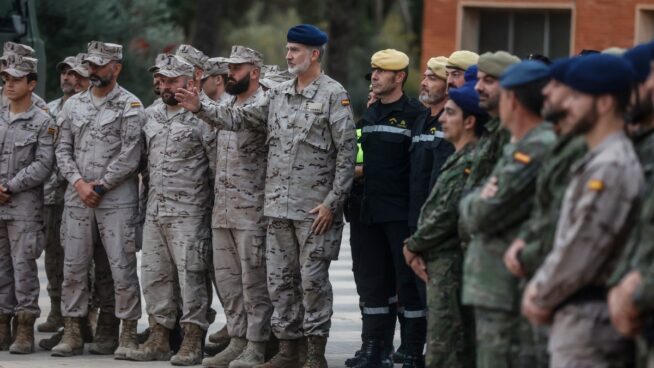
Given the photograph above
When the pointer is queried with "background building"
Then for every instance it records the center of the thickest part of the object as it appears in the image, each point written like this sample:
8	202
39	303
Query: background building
550	27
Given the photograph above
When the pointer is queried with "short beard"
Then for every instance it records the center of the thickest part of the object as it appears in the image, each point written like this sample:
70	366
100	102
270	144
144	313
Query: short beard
67	88
168	97
554	115
299	69
490	103
587	122
98	82
235	88
431	99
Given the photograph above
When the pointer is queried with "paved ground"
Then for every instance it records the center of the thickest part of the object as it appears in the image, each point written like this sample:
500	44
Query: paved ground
344	340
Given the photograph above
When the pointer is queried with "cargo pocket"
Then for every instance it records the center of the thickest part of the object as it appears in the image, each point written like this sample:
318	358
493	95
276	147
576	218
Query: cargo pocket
332	241
129	235
196	255
33	241
258	250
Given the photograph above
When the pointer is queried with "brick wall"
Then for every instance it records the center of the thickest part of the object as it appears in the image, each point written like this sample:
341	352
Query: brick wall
597	24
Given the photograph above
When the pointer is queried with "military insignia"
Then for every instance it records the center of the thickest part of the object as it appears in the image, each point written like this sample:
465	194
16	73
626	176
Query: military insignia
392	121
595	185
432	130
467	171
135	104
522	157
52	131
345	102
314	107
402	124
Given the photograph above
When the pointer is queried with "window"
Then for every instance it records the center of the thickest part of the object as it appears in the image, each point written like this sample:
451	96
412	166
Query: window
519	31
645	24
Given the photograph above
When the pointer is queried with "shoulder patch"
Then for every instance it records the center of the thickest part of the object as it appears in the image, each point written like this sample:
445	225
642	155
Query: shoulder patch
467	171
522	157
52	131
135	104
345	102
595	185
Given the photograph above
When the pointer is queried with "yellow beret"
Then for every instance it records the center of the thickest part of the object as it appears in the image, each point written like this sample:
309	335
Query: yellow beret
437	66
462	59
389	59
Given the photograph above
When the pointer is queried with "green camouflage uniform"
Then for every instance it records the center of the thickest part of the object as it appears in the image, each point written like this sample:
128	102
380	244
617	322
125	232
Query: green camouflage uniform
450	326
495	223
639	253
488	152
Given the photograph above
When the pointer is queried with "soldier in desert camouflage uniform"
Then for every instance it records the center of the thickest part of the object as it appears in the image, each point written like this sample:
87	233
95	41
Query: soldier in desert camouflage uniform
25	163
12	48
98	153
238	225
214	80
312	149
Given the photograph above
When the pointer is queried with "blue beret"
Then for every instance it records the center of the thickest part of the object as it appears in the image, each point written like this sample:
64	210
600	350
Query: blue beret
640	58
560	67
523	72
599	74
467	98
307	34
471	73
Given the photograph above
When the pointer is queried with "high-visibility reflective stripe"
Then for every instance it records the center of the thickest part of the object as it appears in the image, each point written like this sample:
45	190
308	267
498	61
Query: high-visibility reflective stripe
378	310
427	137
386	129
415	314
392	300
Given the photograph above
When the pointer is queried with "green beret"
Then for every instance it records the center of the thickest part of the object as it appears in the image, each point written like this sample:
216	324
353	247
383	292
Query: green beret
494	63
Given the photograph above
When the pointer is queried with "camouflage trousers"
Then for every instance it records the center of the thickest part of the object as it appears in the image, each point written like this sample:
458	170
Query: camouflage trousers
54	252
21	243
450	325
240	265
83	229
582	336
173	269
298	277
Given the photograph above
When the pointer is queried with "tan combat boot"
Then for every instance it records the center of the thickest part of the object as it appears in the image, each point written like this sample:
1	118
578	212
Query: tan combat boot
128	339
50	342
24	339
156	347
222	359
5	331
190	353
105	340
54	321
287	357
218	341
71	343
254	354
316	352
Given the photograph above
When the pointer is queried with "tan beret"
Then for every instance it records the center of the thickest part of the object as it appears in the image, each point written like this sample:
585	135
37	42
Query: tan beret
389	59
437	66
494	63
462	59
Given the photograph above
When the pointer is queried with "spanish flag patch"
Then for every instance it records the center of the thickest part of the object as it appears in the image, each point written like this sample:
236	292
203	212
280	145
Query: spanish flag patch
345	102
595	185
522	157
135	104
467	171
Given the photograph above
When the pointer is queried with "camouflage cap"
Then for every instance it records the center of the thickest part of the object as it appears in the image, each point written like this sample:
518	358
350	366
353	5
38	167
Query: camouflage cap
101	53
80	68
161	58
20	66
175	66
192	55
13	48
69	61
273	76
242	55
215	66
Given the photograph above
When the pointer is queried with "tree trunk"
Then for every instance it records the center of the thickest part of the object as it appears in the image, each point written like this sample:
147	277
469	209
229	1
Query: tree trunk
341	28
207	34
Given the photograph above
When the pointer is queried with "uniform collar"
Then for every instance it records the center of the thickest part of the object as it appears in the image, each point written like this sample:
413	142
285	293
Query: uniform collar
27	115
603	146
309	91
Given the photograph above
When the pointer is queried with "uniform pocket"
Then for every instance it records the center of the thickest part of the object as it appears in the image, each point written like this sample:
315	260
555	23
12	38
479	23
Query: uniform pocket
332	241
318	135
258	250
197	254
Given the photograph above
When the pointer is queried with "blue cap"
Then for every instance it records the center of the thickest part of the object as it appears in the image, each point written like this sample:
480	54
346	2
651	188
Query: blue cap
640	58
599	74
307	34
471	73
523	72
467	98
560	67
